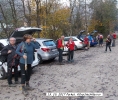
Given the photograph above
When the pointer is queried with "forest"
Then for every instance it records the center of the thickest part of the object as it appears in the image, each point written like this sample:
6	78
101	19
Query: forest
57	18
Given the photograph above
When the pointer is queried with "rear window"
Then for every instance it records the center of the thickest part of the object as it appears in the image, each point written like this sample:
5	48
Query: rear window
74	39
49	43
67	39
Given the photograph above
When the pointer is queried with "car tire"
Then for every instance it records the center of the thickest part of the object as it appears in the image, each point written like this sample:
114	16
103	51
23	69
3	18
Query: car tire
53	59
3	74
75	48
40	59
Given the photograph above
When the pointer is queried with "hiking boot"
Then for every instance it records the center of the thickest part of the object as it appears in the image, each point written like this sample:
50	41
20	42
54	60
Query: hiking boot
12	85
28	87
61	63
24	91
68	61
17	82
72	60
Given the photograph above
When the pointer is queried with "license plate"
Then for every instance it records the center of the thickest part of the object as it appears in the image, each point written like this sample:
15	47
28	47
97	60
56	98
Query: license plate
54	50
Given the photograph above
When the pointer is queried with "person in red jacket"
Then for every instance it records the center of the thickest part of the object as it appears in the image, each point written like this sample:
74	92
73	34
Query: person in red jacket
114	39
71	46
60	46
86	42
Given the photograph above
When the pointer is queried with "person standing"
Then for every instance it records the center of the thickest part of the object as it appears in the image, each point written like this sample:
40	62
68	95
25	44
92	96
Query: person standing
12	61
90	40
86	42
101	40
71	46
60	46
111	37
114	39
98	38
26	52
108	43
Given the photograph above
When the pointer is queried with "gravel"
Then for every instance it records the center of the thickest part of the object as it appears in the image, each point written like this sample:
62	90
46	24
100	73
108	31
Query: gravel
92	71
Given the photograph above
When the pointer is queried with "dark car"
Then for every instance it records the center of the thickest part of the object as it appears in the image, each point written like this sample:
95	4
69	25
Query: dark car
94	41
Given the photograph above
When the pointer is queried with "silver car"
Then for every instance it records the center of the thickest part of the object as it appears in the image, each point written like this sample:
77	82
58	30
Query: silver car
47	50
78	43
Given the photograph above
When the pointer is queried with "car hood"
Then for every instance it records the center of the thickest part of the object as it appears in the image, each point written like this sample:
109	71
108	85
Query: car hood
20	32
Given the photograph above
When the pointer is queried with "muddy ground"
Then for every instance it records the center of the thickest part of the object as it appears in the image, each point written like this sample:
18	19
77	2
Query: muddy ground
92	71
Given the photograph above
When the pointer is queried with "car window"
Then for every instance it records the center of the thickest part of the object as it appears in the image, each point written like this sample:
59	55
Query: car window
66	39
49	43
38	43
74	39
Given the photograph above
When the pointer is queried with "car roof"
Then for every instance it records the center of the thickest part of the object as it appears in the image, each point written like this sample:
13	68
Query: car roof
27	28
71	36
42	39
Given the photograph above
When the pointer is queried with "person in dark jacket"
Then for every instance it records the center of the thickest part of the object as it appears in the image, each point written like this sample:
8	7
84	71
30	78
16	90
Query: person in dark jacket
108	43
60	46
12	62
26	52
71	46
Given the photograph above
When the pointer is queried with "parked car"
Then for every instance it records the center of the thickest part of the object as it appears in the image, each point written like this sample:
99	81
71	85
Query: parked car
47	50
81	36
78	43
18	34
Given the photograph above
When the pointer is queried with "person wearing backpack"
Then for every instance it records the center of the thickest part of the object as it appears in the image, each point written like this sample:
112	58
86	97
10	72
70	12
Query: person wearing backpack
11	56
60	46
26	52
71	46
108	43
101	40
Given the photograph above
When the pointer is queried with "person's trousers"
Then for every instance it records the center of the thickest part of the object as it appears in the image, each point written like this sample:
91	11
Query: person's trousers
113	43
10	74
60	55
107	47
25	74
70	55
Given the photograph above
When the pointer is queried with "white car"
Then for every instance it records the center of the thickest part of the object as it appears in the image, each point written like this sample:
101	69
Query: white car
78	43
18	34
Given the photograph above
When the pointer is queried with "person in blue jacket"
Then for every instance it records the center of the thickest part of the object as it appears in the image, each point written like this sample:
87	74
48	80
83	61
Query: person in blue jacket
90	40
26	52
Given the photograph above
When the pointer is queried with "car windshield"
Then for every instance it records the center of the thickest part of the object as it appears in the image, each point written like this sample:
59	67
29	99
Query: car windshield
49	43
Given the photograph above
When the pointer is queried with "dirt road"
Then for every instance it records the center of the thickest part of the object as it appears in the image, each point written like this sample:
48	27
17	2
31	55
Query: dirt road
93	71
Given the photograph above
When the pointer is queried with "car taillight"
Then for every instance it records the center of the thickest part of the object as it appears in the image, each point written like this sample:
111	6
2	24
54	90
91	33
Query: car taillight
45	49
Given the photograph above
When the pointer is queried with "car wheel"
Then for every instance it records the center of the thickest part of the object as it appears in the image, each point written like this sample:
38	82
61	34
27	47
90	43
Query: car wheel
53	59
2	73
40	59
75	48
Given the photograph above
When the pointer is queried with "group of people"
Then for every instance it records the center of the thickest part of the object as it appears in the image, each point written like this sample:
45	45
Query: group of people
110	40
22	55
70	45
